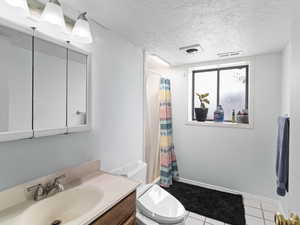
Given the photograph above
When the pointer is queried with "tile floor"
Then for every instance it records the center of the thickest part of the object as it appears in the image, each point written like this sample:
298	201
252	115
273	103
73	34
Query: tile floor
257	212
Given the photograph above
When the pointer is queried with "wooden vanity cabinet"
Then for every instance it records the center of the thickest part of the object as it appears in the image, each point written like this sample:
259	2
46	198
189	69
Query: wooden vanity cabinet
130	221
121	214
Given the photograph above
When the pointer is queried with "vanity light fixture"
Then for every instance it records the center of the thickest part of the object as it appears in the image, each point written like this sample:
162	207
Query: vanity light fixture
22	4
82	30
53	14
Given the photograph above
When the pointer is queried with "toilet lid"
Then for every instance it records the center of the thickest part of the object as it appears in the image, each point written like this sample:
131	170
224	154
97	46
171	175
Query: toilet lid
159	205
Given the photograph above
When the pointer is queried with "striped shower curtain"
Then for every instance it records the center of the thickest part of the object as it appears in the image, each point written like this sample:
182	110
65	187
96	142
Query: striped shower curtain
168	163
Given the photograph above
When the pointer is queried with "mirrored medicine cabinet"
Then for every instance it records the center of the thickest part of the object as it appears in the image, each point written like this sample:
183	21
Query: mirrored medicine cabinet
44	87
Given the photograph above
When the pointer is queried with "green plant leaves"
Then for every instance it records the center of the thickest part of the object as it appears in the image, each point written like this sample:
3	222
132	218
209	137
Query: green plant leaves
204	95
203	99
206	100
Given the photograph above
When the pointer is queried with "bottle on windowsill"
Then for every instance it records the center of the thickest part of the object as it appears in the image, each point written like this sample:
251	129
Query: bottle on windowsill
219	114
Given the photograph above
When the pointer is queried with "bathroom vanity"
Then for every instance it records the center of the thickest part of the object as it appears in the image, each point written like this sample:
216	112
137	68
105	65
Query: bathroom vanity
122	213
91	197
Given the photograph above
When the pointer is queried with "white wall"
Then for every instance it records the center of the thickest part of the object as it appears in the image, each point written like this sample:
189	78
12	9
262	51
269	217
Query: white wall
117	132
285	79
240	159
286	101
291	105
118	101
294	195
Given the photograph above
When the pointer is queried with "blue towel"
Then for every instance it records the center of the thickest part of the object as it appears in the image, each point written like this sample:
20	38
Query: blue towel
282	162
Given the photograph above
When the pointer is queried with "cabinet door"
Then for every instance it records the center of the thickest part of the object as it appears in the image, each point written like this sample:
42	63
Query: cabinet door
77	89
120	213
50	75
15	84
130	221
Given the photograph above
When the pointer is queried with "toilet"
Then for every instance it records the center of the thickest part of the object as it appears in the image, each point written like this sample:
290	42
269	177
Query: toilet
155	206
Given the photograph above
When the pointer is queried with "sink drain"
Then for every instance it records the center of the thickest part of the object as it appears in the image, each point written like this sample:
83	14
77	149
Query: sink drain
56	222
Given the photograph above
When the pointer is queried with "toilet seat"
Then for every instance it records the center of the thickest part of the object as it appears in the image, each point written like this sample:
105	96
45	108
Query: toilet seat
160	206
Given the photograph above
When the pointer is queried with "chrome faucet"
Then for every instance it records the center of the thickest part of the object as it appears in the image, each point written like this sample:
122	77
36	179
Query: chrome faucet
55	187
38	192
41	192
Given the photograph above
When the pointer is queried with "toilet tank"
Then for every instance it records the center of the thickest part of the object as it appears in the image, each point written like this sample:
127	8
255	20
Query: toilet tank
135	171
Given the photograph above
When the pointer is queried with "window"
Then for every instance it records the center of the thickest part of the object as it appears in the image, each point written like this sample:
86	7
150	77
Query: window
226	86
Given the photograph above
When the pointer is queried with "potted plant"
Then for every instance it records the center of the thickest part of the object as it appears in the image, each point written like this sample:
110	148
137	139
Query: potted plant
201	113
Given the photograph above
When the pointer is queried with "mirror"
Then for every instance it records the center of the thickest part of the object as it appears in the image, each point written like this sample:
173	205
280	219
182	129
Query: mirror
43	87
77	89
50	75
15	81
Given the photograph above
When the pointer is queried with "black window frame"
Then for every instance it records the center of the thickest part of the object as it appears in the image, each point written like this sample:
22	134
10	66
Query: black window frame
218	70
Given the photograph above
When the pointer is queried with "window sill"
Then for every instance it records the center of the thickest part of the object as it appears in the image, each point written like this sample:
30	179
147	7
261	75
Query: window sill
219	124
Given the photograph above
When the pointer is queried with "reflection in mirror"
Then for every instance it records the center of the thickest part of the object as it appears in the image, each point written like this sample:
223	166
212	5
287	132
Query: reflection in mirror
50	86
15	80
77	86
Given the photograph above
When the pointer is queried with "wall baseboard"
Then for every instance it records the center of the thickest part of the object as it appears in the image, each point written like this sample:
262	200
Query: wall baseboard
224	189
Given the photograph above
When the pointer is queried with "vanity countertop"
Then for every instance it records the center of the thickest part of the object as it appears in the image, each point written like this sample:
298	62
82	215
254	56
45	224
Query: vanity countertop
114	189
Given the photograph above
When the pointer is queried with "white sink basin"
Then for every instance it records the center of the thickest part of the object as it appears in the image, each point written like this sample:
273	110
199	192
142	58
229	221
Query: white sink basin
65	207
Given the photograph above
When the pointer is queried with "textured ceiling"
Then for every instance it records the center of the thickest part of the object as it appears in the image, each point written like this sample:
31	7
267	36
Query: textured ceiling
162	26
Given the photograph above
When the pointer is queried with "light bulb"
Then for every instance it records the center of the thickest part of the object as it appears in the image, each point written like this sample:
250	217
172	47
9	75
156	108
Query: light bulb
53	14
82	30
21	4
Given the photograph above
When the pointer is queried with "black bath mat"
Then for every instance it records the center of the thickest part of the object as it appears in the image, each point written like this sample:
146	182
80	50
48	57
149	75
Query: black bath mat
222	206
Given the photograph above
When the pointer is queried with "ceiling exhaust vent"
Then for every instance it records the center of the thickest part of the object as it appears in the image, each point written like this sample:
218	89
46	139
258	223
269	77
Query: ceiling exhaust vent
229	54
191	49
